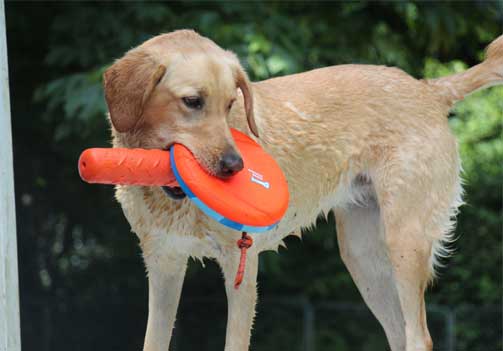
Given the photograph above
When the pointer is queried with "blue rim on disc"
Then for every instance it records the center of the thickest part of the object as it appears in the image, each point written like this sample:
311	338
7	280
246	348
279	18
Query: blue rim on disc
209	211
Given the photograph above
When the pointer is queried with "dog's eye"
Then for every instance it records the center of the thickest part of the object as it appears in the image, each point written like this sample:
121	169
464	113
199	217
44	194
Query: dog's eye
194	102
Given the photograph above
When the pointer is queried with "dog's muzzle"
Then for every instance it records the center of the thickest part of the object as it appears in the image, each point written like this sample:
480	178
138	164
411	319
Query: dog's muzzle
174	192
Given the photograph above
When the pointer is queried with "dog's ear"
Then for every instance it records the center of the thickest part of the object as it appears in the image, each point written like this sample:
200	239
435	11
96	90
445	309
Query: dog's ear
128	84
243	83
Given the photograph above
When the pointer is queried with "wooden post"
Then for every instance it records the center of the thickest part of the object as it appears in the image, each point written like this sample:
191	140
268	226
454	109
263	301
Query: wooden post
10	339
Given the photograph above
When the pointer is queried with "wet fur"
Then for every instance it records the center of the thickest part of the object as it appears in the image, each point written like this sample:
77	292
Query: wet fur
368	142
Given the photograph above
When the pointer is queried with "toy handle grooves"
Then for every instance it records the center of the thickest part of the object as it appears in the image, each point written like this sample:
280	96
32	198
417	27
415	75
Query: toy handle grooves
126	167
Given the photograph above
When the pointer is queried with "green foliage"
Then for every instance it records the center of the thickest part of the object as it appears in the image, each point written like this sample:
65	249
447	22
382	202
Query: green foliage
75	249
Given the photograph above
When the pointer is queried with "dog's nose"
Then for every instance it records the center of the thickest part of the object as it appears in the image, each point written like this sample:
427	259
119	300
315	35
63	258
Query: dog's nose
230	164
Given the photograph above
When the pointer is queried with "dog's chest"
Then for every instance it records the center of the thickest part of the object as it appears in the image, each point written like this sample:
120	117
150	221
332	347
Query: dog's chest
165	226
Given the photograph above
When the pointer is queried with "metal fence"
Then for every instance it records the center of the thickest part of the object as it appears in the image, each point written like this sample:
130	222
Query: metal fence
300	324
282	323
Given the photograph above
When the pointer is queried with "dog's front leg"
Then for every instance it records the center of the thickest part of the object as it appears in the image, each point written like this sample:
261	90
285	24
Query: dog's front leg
241	302
165	280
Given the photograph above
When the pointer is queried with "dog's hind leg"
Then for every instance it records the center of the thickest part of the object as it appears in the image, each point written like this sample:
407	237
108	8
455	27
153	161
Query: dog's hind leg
241	302
389	262
389	240
165	280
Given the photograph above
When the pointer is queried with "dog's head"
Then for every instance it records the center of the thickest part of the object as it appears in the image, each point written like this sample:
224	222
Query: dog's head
179	88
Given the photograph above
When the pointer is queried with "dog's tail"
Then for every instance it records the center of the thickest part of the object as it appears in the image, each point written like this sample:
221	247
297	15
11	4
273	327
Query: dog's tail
483	75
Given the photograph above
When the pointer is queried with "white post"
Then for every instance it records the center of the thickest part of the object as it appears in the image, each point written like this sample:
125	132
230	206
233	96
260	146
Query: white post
10	339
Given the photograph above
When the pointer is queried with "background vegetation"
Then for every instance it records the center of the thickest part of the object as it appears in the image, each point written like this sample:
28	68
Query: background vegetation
82	281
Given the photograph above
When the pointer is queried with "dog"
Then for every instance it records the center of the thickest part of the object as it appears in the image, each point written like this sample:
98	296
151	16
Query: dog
370	143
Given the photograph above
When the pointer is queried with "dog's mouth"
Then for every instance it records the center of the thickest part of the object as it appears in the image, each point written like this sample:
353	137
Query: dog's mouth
174	192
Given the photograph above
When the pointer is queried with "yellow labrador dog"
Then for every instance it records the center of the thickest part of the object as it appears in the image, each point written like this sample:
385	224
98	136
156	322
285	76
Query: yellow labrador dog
370	143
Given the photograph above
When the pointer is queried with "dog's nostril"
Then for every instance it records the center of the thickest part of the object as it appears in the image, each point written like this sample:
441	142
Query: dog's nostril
230	164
